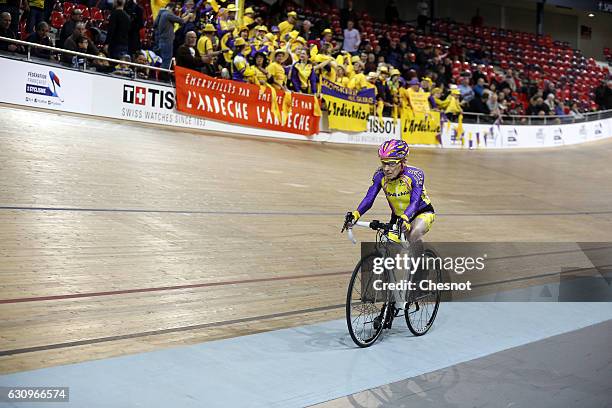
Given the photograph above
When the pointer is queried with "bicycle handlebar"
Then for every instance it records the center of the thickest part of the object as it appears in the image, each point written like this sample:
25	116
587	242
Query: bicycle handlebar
374	224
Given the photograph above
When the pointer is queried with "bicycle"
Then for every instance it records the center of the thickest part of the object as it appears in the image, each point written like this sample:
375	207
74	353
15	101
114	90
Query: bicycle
370	310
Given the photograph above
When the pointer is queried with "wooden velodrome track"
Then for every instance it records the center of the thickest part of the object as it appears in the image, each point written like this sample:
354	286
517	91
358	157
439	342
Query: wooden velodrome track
118	238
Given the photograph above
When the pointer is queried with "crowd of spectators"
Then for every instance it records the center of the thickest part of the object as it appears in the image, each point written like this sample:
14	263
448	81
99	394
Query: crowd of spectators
292	53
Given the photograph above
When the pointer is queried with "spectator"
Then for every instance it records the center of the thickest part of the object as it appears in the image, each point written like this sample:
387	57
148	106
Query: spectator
136	13
208	42
391	13
117	36
209	66
40	36
164	32
465	90
303	76
371	65
71	44
575	112
100	64
78	61
550	102
326	38
493	104
5	31
479	88
124	69
351	38
559	109
142	73
276	70
536	106
239	63
359	79
76	15
478	104
603	95
36	14
347	14
305	31
11	7
287	26
187	55
422	14
261	74
190	24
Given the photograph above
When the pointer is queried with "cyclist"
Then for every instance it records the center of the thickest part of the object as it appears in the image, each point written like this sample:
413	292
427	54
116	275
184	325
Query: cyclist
404	187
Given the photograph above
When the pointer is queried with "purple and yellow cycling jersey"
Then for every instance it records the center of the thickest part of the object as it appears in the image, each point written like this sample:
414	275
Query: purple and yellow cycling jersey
406	194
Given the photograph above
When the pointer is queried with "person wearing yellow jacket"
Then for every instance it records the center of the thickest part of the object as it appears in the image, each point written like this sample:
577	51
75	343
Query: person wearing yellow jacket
359	80
208	42
303	78
287	26
277	71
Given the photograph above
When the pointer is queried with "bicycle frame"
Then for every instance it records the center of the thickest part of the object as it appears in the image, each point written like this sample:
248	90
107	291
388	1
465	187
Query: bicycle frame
387	233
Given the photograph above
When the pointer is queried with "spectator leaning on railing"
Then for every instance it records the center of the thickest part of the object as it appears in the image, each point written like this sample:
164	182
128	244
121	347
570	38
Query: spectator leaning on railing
71	44
40	36
6	31
187	55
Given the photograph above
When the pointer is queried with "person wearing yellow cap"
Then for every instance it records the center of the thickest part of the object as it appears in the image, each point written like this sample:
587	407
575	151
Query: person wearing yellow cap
341	78
208	42
436	93
261	74
372	77
287	26
326	67
239	63
359	80
259	36
243	32
277	71
226	19
326	37
248	19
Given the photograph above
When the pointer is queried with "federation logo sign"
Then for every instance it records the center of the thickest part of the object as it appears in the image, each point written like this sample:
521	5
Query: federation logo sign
43	85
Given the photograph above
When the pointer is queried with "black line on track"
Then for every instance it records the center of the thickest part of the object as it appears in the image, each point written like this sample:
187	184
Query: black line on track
165	331
281	213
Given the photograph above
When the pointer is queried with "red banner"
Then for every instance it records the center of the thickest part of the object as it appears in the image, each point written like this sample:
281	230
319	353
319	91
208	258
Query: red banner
241	103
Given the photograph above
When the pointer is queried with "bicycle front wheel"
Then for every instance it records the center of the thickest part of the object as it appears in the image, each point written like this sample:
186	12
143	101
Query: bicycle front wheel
422	304
365	306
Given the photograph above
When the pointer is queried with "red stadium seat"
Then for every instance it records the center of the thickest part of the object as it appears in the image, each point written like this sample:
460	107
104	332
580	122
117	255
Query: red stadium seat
68	6
57	20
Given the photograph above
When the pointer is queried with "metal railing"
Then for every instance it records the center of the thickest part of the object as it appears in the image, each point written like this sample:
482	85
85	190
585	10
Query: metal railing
469	117
55	50
483	118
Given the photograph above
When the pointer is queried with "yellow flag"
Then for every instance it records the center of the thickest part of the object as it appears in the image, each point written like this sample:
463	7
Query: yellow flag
286	109
380	105
314	51
317	107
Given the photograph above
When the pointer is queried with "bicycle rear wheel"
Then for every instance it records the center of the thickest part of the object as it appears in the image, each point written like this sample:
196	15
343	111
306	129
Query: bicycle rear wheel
422	305
365	307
